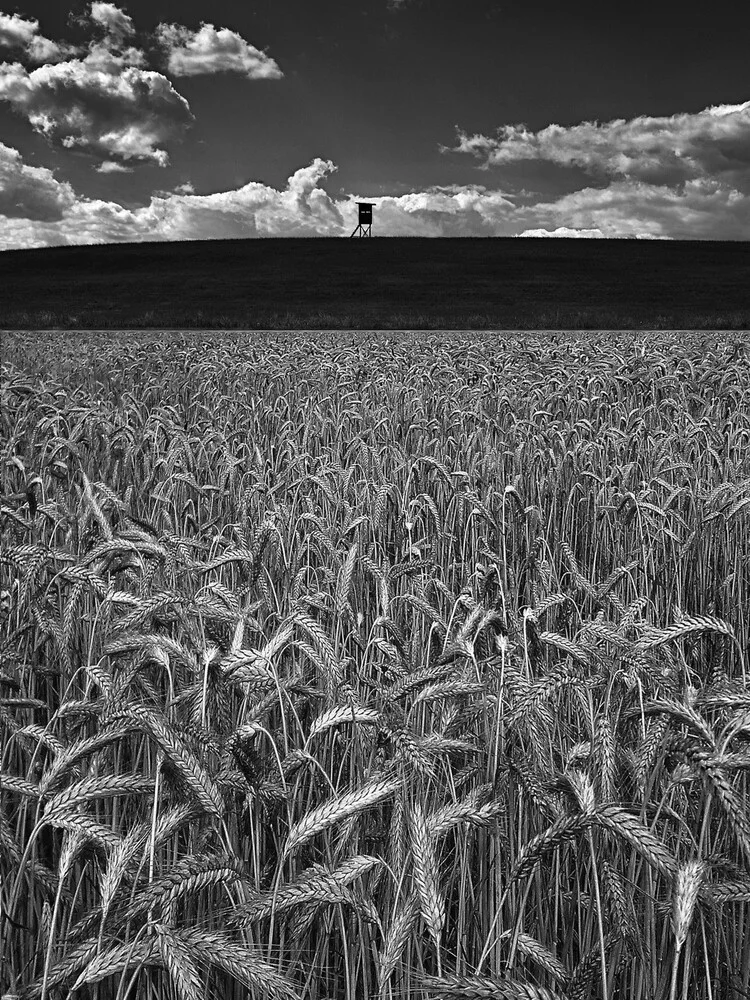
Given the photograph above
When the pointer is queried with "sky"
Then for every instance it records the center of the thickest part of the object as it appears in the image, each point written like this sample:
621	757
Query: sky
166	120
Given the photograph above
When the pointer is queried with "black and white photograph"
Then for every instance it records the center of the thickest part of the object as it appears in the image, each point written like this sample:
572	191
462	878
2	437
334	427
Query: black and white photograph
374	500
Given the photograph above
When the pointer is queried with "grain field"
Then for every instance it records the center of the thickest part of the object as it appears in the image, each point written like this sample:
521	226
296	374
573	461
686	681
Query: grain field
352	666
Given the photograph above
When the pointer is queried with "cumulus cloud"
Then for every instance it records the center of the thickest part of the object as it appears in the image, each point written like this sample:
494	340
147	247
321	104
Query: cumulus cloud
106	102
669	150
17	32
301	208
683	176
623	211
565	232
31	193
103	103
123	113
457	210
116	24
703	208
213	50
112	167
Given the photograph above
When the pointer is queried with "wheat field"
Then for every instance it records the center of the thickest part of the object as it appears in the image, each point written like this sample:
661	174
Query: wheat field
360	666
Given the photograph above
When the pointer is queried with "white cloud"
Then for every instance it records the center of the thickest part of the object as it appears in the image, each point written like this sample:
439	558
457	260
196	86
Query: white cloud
112	167
565	232
111	50
683	176
301	208
671	149
17	32
106	102
115	22
213	50
44	50
699	209
445	211
115	112
31	193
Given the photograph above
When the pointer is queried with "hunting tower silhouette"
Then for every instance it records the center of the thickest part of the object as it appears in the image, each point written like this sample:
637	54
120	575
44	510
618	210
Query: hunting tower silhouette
365	219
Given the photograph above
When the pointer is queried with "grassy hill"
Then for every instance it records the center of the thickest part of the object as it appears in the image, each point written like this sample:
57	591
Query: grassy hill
380	283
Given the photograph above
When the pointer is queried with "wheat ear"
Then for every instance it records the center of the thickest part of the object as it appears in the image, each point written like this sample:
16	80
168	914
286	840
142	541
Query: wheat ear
337	809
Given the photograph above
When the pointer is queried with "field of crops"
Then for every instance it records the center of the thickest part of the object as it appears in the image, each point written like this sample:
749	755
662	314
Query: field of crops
347	665
414	283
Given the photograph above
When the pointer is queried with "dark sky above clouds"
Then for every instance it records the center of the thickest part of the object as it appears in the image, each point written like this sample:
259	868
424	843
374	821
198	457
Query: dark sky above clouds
161	119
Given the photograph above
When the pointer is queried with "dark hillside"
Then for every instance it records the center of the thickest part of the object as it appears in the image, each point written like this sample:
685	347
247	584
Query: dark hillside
380	283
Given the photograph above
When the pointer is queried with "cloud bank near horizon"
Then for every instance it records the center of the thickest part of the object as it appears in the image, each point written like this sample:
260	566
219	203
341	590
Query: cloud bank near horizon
40	211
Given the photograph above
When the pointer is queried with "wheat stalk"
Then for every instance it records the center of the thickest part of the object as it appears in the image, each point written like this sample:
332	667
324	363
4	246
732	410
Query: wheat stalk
426	874
116	959
639	836
473	987
399	932
337	809
99	788
178	961
340	714
688	881
239	961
